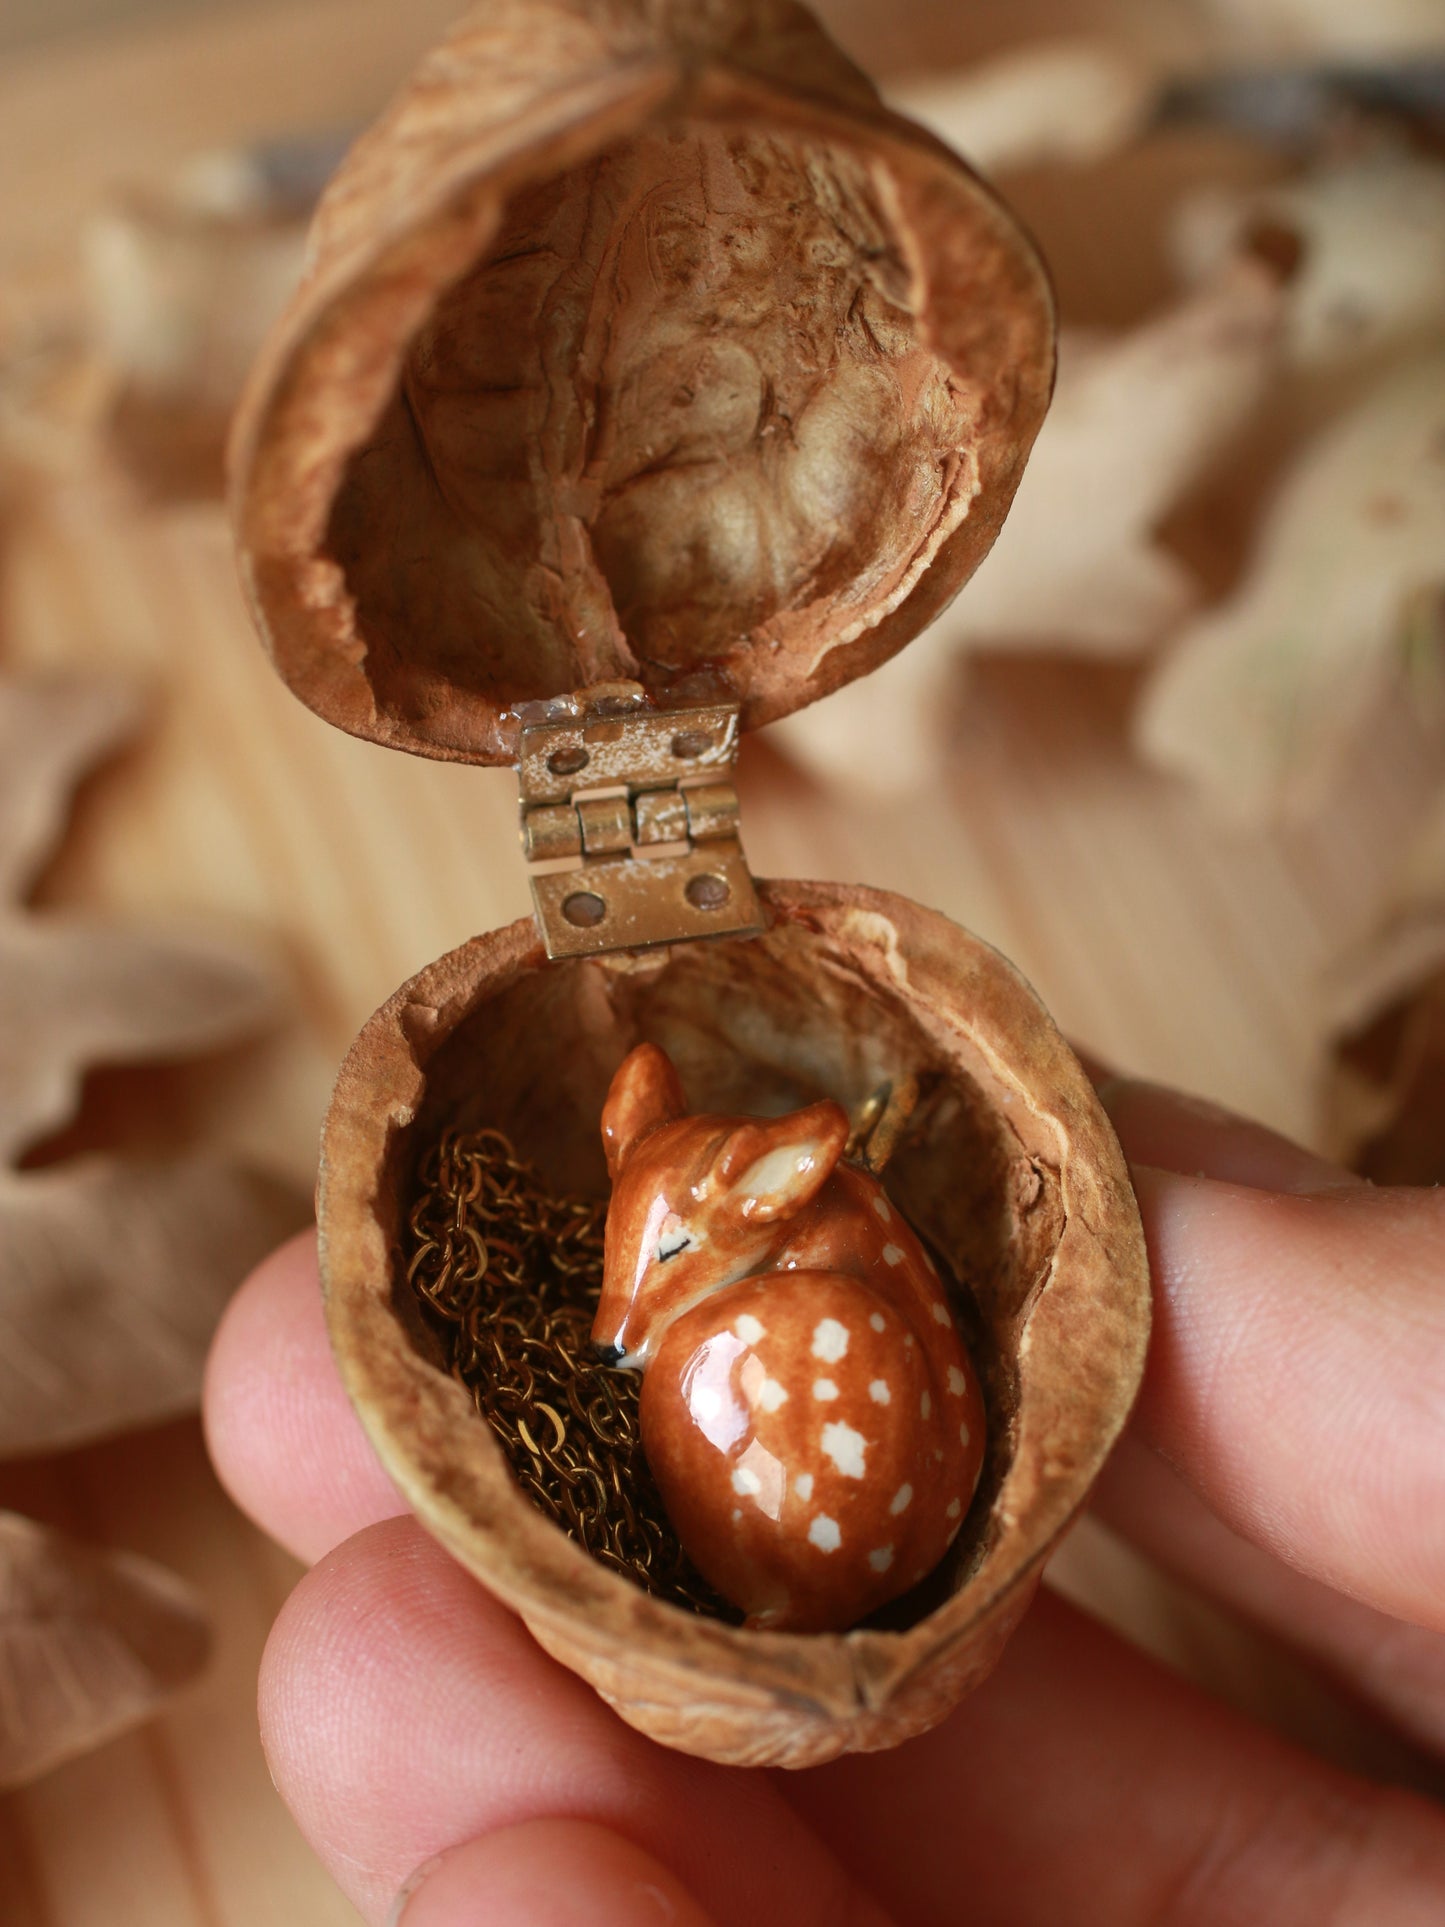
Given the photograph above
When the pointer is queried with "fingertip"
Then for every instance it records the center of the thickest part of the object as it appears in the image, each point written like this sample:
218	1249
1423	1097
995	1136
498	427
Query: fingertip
404	1710
282	1436
364	1609
1194	1137
547	1873
398	1704
1292	1378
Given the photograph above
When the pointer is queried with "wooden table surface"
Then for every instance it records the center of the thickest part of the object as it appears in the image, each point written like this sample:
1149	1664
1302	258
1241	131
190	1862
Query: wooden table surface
1166	942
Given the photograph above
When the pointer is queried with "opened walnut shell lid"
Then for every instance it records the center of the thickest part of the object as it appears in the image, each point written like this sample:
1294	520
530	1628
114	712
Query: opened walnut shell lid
639	341
1009	1167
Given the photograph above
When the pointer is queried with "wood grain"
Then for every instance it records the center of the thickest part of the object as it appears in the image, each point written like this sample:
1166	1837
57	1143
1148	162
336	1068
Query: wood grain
1160	939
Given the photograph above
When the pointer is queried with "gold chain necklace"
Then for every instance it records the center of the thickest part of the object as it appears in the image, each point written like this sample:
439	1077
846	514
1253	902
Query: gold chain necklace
509	1278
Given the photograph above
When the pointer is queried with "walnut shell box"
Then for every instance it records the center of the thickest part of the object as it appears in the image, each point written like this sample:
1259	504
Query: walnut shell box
642	347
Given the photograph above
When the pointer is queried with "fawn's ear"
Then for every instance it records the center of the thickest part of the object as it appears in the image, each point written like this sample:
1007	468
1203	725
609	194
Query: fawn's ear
773	1170
644	1093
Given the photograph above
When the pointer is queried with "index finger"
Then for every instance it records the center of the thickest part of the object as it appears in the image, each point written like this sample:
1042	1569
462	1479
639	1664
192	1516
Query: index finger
1296	1378
281	1432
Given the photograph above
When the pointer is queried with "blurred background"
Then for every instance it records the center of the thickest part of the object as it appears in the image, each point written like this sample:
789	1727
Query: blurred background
1179	751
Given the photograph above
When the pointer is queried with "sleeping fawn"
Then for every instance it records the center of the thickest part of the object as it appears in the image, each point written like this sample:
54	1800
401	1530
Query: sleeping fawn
808	1409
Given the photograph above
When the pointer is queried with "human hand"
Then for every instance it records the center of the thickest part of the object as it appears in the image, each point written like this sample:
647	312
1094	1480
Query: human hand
1287	1456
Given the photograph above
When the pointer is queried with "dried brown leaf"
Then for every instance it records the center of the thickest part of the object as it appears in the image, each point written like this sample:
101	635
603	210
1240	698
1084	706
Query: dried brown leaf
1370	234
1052	100
1387	1098
182	285
91	1643
1386	1093
113	1274
1135	420
75	992
1259	697
52	731
1296	28
53	396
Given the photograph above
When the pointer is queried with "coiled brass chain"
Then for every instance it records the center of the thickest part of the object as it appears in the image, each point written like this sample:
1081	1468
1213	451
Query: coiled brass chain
509	1278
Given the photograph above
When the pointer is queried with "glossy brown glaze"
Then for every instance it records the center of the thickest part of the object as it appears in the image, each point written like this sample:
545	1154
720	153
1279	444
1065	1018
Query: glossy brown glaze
809	1411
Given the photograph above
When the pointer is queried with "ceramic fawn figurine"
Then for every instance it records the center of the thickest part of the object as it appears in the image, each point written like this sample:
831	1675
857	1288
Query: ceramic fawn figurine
808	1409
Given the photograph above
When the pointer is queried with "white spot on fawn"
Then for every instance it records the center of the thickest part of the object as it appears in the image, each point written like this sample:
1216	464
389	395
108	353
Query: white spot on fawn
880	1205
737	1514
771	1395
761	1477
925	1406
803	1486
957	1383
882	1559
941	1312
845	1448
901	1500
964	1435
824	1388
954	1509
908	1341
830	1340
747	1328
824	1534
877	1320
892	1254
878	1391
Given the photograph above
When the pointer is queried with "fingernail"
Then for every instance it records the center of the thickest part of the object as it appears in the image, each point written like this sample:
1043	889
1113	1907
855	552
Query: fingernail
408	1893
546	1870
1195	1137
1119	1090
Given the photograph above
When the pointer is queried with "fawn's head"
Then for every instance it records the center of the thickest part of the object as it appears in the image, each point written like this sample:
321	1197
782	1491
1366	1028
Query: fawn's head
697	1202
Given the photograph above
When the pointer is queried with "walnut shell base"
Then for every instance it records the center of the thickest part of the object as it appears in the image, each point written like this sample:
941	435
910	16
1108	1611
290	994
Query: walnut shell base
1011	1169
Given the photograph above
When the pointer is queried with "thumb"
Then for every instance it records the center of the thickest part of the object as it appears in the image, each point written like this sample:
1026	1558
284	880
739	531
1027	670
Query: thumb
1197	1139
547	1873
1297	1366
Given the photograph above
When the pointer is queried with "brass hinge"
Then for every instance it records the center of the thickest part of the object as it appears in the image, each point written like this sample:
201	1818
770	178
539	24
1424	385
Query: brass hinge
630	824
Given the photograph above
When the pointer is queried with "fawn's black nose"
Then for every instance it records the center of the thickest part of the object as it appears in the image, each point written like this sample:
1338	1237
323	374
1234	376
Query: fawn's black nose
610	1354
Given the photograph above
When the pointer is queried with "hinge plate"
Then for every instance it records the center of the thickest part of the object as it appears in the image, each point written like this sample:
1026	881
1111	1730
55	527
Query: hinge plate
629	821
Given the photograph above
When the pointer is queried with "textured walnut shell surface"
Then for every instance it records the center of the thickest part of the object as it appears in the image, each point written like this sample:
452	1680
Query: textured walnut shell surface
1012	1170
639	340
